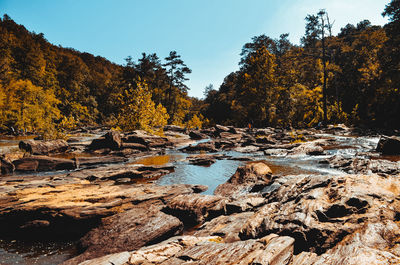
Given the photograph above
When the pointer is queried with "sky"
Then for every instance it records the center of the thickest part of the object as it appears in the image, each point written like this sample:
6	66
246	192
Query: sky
208	34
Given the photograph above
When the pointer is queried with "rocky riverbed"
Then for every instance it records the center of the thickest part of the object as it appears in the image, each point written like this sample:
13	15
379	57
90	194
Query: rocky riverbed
221	195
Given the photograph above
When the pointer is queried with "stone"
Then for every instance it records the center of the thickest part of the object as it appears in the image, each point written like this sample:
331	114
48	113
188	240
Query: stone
43	163
150	141
71	204
272	250
174	128
245	179
113	139
196	135
220	128
128	231
43	147
6	167
101	160
121	258
308	148
319	211
202	160
201	147
196	208
247	149
224	226
389	145
374	243
134	146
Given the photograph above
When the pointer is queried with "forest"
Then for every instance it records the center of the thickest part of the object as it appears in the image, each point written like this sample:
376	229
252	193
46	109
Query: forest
352	78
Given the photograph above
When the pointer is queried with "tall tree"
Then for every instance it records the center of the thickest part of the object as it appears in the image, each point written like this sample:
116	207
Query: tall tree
177	71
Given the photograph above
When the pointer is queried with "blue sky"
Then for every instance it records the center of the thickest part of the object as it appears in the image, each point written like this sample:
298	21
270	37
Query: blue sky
208	34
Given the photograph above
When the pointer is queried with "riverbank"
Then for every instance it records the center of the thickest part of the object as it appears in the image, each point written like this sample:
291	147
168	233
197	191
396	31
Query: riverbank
127	193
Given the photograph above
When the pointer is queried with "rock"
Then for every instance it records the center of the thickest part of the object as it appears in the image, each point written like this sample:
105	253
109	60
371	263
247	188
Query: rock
224	226
43	163
265	140
245	179
201	147
113	139
6	167
44	147
128	231
101	160
202	160
220	128
247	149
272	250
372	244
71	204
98	144
141	172
196	135
389	145
319	211
308	148
196	208
275	152
174	128
230	136
225	144
150	141
361	165
114	259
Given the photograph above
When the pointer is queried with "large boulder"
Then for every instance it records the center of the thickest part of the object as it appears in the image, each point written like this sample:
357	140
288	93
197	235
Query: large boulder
389	145
114	139
111	140
43	147
196	208
246	178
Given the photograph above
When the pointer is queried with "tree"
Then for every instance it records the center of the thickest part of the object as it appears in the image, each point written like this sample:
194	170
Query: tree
138	111
28	107
176	70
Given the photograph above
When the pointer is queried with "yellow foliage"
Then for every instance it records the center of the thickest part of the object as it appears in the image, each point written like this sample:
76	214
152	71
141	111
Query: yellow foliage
27	107
138	111
195	122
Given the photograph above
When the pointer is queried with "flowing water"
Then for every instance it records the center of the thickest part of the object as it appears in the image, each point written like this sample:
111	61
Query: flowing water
14	252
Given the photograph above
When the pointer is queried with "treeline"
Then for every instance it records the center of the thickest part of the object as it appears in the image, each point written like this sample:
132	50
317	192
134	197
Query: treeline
281	84
47	88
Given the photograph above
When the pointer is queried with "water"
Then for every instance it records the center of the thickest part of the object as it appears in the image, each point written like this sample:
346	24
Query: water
13	252
30	253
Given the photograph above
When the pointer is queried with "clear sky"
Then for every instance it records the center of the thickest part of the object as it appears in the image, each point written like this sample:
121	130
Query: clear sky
208	34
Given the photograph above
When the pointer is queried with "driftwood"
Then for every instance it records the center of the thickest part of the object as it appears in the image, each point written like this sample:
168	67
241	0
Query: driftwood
44	147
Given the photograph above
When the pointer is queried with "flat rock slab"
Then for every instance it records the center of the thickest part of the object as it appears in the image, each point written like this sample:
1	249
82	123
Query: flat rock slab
319	211
43	163
142	225
374	244
56	201
44	147
273	250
